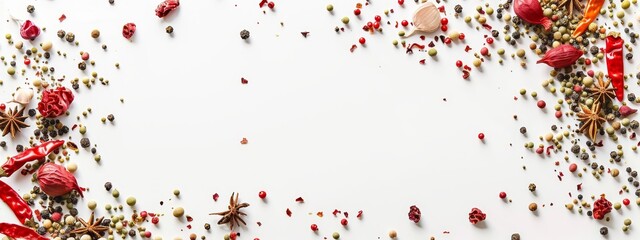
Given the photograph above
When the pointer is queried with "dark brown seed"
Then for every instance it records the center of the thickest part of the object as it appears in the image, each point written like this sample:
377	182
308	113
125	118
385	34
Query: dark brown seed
85	143
169	29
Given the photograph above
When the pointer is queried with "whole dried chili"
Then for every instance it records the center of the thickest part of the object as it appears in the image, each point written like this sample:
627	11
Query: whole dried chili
19	232
615	65
38	152
17	204
562	56
590	13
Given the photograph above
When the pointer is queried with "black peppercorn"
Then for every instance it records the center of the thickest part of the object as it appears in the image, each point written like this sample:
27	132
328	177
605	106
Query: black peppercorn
108	186
634	174
19	148
70	37
515	236
111	2
244	34
132	233
575	149
628	169
169	29
94	150
523	130
85	143
31	9
110	117
604	231
532	187
3	144
458	8
207	226
61	33
82	65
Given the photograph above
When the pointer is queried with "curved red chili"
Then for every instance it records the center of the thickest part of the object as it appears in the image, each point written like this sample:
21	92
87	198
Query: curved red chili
19	232
615	64
19	207
38	152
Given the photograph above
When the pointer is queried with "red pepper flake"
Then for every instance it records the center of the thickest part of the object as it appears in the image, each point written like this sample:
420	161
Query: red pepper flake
300	200
579	186
549	148
74	127
441	9
467	48
423	61
259	224
601	207
446	232
431	44
353	48
633	136
465	74
304	34
215	197
487	26
335	212
288	212
320	214
244	141
359	214
476	215
244	81
262	3
128	30
599	144
189	226
346	214
396	24
189	219
62	18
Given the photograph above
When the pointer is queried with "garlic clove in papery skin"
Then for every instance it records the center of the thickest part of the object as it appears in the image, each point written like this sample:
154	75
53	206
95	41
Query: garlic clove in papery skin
23	96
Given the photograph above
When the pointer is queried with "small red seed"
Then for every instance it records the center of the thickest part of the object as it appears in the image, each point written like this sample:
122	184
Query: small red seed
404	23
377	18
490	40
271	5
362	40
458	63
626	201
558	114
541	104
356	12
400	2
376	25
461	37
484	51
3	106
262	194
155	220
444	28
27	61
344	222
444	21
481	136
447	40
503	195
314	227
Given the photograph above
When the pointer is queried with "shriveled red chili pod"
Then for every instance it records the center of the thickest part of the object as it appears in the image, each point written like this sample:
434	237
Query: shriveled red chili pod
15	231
17	204
37	152
531	12
562	56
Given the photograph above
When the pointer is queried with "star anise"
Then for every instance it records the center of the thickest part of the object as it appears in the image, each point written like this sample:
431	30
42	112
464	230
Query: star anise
92	227
12	121
571	4
601	91
233	216
591	120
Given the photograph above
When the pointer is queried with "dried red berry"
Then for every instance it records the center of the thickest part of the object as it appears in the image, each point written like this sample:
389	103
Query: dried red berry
29	31
414	214
128	30
357	11
481	136
314	227
271	5
601	207
362	40
626	201
404	23
166	7
344	222
476	215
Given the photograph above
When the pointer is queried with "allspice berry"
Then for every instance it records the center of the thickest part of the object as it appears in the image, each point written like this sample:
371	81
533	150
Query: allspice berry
169	29
178	212
533	207
95	33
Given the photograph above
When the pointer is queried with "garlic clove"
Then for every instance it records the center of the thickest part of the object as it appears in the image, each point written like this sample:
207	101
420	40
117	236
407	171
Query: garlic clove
23	96
426	19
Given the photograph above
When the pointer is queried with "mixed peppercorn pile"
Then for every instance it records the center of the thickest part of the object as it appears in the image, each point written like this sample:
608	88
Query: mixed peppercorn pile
570	36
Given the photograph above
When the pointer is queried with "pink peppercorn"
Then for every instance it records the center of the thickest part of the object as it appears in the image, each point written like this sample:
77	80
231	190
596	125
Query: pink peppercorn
481	136
271	5
362	40
484	51
573	167
357	11
344	222
626	201
56	216
558	114
587	62
447	40
444	28
458	63
314	227
541	104
489	40
27	61
233	235
147	234
461	36
400	2
155	220
262	194
85	56
144	214
404	23
377	18
503	195
540	150
590	73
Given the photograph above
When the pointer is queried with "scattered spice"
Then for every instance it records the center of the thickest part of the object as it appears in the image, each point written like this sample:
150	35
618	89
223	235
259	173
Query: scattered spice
29	31
12	121
591	12
476	215
163	9
233	216
128	30
615	64
244	34
426	19
55	180
531	11
414	214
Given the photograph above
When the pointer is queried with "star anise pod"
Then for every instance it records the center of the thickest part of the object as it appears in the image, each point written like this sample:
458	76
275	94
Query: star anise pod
591	120
572	4
601	91
12	121
233	216
92	227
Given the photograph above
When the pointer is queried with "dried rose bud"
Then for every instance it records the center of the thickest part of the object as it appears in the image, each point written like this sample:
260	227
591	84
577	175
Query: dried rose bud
55	180
29	31
626	111
414	214
562	56
166	7
476	215
128	30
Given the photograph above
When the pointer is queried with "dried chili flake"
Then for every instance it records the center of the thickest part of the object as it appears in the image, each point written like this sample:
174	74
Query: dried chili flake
487	26
414	214
549	148
467	48
359	214
441	9
244	141
431	44
353	48
262	3
346	214
189	218
465	74
423	61
320	214
288	212
633	136
601	207
304	34
300	200
476	215
244	81
579	186
62	18
164	8
259	224
336	211
215	197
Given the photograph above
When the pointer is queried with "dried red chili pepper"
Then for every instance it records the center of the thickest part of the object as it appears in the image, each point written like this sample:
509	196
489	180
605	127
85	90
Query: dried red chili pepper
38	152
17	204
591	12
166	7
615	65
531	12
29	31
55	180
19	232
562	56
128	30
601	207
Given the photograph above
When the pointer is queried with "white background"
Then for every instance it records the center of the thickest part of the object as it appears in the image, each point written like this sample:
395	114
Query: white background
367	130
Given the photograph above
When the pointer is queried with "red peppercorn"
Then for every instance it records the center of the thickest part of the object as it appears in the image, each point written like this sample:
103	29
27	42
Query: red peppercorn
458	63
85	56
377	18
144	214
233	235
461	37
444	21
155	220
484	51
590	73
271	5
3	106
444	28
357	11
56	216
503	195
314	227
481	136
400	2
558	114
404	23
262	194
540	150
541	104
27	61
344	222
376	25
447	40
587	62
573	167
490	40
626	201
362	40
147	234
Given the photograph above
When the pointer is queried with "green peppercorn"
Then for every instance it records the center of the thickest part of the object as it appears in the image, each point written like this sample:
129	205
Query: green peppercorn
178	212
92	205
176	192
627	222
501	51
401	33
432	52
620	14
625	4
336	235
115	193
11	71
520	53
329	7
131	201
345	20
395	42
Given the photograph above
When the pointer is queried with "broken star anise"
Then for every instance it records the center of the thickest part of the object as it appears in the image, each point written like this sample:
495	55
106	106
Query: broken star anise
93	227
591	120
601	92
12	121
570	5
233	216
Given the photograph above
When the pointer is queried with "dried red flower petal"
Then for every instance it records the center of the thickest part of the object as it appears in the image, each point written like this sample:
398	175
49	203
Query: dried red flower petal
476	215
29	31
128	30
414	214
166	7
55	102
55	180
562	56
601	207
